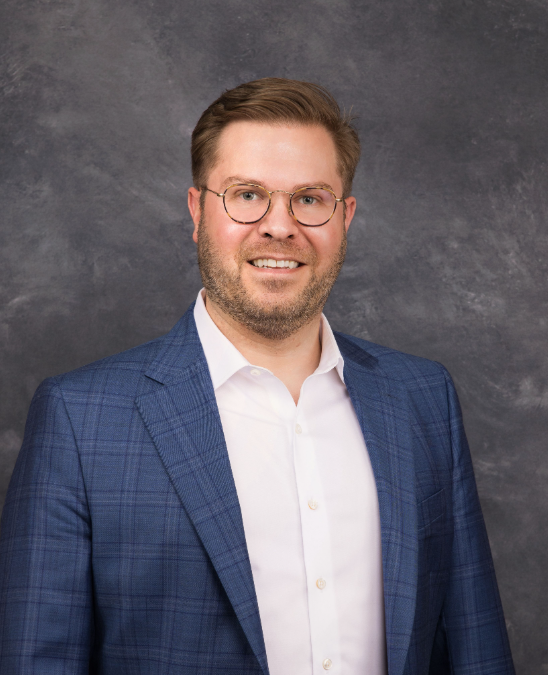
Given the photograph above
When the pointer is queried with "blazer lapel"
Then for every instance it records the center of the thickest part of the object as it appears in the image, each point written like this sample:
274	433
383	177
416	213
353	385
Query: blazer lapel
384	419
183	420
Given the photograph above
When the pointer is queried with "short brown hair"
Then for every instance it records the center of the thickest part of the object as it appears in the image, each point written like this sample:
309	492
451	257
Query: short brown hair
275	100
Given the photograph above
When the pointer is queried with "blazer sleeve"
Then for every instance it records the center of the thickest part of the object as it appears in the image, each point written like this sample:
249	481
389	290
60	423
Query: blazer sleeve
471	636
46	621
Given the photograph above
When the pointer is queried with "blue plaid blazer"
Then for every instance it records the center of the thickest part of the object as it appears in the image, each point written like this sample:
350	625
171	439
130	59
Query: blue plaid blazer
123	552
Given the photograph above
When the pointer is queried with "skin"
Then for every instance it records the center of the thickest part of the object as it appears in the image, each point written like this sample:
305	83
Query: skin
279	157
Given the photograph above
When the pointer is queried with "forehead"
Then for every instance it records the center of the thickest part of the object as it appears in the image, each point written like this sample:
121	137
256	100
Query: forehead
279	156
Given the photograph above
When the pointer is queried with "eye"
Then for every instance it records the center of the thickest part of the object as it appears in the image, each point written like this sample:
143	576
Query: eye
247	195
309	199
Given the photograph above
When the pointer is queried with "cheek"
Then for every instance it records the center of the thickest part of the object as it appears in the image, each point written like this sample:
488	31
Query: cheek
228	239
326	243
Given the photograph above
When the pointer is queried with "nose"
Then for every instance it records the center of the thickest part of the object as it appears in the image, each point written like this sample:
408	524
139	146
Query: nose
278	222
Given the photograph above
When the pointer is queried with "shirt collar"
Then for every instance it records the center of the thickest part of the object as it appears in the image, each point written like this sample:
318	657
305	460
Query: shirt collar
331	355
224	360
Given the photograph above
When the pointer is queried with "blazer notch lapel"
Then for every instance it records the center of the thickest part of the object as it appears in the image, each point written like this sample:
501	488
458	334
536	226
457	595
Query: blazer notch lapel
183	420
383	415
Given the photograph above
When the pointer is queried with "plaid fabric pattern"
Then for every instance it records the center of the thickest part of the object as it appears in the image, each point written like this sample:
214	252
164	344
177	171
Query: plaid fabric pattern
122	548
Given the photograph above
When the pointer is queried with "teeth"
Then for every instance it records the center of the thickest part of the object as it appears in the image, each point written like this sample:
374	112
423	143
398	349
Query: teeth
269	262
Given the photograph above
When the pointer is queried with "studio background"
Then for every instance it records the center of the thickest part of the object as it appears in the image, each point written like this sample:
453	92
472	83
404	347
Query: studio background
447	254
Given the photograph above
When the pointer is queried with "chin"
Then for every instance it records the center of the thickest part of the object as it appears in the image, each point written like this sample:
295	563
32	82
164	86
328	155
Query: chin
273	297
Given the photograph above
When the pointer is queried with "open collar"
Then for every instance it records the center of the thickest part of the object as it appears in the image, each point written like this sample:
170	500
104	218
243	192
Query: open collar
224	359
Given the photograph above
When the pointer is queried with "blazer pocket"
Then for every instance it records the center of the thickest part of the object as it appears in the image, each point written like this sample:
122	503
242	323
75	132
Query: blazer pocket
431	512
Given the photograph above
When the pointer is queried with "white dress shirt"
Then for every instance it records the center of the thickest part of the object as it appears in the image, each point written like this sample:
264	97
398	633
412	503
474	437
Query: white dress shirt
309	507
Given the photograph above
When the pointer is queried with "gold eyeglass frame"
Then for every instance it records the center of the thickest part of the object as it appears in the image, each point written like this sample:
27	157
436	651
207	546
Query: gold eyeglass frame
270	193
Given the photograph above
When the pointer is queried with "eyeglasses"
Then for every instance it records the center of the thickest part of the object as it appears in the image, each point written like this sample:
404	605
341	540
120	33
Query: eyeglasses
247	204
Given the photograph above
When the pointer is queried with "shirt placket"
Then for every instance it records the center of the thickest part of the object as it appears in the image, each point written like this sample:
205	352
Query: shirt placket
324	628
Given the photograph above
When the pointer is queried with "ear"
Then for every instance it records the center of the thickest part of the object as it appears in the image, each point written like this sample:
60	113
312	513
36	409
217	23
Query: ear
195	210
350	211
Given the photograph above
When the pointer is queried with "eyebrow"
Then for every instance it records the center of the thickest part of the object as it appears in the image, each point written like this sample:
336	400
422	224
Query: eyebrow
231	180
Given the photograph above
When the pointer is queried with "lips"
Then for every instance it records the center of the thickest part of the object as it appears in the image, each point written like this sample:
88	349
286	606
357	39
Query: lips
271	263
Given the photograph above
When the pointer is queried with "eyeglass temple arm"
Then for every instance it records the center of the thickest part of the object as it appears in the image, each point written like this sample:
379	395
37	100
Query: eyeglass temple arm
219	194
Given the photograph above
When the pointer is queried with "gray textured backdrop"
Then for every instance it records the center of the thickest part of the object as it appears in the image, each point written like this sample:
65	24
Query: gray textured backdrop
447	256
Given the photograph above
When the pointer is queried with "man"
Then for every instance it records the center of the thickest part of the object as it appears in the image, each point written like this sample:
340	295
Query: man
252	493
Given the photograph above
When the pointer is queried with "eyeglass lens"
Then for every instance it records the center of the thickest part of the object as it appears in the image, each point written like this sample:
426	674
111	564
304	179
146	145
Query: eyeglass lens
248	204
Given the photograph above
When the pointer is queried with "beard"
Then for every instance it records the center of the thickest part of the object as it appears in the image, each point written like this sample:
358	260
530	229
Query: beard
275	320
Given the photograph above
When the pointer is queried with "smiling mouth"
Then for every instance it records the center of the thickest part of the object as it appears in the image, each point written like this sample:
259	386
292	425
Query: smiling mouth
271	263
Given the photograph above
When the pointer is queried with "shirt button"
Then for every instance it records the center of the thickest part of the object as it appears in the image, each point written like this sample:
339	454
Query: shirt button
298	429
255	372
327	663
321	584
312	504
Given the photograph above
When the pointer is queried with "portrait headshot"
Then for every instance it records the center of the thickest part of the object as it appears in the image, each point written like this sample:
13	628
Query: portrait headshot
273	321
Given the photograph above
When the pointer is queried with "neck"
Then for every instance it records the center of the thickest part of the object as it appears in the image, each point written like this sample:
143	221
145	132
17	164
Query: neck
291	360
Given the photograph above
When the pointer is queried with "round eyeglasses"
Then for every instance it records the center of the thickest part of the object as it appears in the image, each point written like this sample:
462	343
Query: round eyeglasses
247	204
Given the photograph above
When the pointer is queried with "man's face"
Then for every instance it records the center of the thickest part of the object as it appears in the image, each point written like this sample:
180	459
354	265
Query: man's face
273	302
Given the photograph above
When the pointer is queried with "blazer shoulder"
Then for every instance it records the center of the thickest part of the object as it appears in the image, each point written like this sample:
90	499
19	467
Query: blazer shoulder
425	385
393	363
112	371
